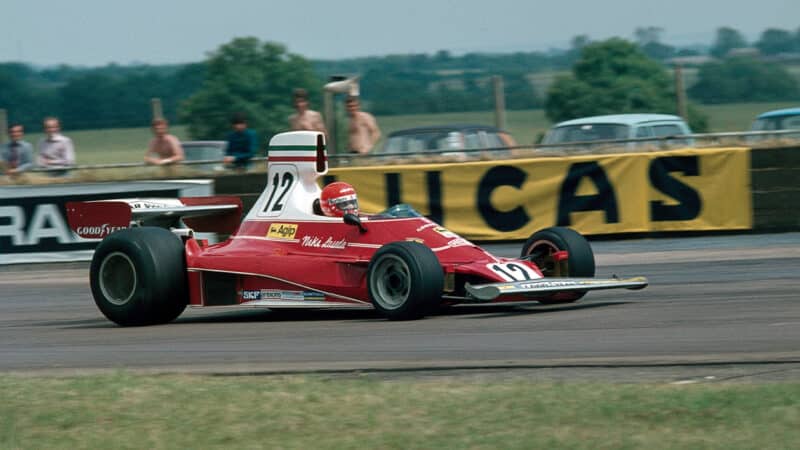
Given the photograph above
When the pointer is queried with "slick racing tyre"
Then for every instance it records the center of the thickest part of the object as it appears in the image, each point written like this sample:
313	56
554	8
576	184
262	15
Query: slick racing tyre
541	246
138	276
405	280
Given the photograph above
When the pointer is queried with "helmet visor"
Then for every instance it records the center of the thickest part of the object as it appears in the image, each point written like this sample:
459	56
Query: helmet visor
345	203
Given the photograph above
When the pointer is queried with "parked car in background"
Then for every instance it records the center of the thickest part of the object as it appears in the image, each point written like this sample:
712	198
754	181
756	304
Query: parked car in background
442	138
205	151
779	119
619	127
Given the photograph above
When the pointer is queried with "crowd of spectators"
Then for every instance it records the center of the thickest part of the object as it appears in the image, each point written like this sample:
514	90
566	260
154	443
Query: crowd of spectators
56	152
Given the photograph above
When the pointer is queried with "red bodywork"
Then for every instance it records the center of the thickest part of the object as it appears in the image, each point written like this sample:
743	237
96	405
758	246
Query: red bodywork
300	263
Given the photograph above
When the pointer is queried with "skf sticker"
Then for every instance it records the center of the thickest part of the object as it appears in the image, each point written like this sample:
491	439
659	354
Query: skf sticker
251	295
277	294
282	230
415	239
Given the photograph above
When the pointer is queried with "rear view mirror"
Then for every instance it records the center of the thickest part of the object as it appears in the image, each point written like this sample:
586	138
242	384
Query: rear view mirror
352	219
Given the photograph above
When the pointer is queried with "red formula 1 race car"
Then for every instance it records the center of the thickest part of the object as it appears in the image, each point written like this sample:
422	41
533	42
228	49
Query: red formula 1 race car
286	254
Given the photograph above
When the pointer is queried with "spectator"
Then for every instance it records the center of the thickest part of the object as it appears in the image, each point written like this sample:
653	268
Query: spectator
304	118
56	150
164	148
242	143
363	131
17	155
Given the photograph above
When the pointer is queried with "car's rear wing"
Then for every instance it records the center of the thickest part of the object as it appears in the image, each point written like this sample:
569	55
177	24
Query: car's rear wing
98	219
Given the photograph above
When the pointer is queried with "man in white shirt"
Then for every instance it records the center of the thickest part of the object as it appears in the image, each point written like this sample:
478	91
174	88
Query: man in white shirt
55	150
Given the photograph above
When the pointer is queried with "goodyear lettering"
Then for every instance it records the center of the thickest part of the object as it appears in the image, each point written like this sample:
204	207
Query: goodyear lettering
282	230
98	231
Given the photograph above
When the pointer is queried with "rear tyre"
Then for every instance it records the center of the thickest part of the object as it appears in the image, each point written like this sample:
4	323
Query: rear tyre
138	276
405	280
543	244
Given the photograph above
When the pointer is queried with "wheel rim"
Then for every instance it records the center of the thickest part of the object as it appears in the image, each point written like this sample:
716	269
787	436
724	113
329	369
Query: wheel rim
117	278
542	251
391	282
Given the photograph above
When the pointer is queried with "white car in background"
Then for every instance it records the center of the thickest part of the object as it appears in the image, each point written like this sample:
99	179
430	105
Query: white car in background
205	151
779	119
616	127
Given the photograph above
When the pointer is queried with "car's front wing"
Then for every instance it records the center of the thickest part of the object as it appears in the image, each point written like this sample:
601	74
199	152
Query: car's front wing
546	286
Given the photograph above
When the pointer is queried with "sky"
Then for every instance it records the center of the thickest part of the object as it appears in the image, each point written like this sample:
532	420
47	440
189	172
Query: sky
99	32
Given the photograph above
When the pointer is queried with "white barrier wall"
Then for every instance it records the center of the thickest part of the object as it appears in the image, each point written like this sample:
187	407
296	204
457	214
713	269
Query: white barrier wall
33	221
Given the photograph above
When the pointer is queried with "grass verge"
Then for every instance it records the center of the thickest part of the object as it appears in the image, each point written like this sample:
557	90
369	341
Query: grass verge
190	411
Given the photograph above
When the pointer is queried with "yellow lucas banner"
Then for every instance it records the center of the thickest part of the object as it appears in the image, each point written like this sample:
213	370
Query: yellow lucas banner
677	190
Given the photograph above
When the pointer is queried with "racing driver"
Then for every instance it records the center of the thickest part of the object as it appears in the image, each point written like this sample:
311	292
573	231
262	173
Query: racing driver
337	199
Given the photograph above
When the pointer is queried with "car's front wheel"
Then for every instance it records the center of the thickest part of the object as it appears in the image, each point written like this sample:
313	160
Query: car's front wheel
138	276
405	280
541	249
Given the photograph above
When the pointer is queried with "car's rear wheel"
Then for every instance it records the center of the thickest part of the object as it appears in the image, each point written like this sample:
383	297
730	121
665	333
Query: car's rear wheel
541	249
405	280
138	276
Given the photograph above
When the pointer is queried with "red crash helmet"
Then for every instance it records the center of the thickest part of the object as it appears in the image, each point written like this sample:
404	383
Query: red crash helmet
337	199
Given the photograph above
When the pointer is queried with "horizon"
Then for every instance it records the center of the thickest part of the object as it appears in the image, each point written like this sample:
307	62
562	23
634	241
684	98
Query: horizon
93	33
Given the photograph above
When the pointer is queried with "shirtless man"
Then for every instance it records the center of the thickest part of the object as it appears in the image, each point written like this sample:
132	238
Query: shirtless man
164	148
363	130
304	118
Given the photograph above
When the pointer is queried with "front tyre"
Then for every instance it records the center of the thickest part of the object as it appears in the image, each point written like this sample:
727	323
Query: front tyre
541	247
138	276
405	280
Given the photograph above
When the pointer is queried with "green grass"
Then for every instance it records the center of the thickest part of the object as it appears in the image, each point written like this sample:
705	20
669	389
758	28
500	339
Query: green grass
738	116
523	125
186	411
124	145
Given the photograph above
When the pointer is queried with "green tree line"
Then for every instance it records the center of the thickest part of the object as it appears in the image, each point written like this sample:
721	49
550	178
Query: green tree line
257	78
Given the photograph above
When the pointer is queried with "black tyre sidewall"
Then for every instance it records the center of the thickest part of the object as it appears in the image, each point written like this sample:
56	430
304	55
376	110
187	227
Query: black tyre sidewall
427	280
160	294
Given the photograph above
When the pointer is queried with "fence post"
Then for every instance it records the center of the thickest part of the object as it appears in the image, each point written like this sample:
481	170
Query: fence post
680	93
3	125
330	122
499	102
155	106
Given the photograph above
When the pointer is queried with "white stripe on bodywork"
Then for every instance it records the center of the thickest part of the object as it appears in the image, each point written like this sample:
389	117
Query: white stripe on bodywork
263	238
303	304
356	244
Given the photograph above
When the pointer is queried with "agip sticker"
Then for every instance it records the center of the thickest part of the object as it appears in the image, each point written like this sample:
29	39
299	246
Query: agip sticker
282	230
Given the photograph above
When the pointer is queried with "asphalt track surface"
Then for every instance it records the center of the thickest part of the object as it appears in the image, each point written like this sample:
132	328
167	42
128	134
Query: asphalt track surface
717	308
